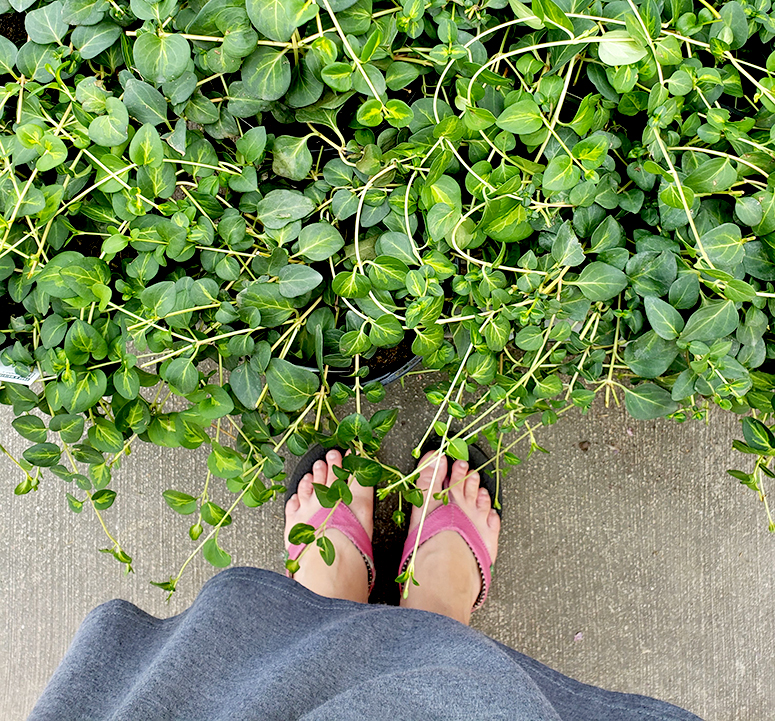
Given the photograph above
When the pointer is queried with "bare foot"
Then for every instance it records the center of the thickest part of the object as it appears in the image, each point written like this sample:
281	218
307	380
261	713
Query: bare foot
347	577
445	567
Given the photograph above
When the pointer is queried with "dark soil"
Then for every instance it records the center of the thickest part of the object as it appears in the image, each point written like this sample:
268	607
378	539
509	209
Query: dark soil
12	27
388	360
388	545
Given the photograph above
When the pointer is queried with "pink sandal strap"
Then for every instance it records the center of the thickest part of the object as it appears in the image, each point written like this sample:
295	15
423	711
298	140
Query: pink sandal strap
452	518
343	520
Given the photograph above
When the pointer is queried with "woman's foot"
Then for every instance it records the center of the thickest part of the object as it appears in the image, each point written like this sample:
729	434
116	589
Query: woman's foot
445	566
347	577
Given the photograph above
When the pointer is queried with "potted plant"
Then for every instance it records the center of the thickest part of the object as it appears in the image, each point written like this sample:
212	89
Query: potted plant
265	209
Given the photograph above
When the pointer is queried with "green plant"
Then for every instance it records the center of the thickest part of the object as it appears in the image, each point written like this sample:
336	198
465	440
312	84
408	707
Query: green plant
249	205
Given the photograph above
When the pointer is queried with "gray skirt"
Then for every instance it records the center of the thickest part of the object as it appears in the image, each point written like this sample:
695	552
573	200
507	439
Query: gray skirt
257	645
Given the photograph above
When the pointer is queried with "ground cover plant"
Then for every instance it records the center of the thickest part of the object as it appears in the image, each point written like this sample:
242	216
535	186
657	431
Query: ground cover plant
222	220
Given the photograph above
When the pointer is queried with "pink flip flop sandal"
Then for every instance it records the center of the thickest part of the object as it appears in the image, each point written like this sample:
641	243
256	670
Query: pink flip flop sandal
343	519
452	518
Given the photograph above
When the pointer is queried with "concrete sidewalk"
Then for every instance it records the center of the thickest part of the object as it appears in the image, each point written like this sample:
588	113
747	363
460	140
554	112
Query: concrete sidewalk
629	558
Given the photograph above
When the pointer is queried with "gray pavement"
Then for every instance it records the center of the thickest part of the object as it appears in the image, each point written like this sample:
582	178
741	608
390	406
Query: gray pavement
629	559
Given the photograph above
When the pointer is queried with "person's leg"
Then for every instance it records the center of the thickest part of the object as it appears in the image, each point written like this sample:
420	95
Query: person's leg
445	568
347	577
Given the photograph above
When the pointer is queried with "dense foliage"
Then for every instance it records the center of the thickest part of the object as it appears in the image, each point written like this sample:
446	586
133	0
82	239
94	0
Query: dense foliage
255	206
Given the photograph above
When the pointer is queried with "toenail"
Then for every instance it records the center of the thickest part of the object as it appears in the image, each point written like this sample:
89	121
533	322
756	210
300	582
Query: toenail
331	455
319	464
462	464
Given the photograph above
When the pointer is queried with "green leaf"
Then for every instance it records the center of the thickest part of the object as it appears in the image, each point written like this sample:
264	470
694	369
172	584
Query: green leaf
180	502
214	514
399	74
266	73
617	47
290	386
246	384
338	76
301	534
266	297
146	147
561	174
351	284
319	241
592	151
44	455
83	340
566	249
712	176
212	402
75	505
126	382
652	273
45	25
8	54
144	102
252	144
88	388
680	83
105	437
110	129
69	427
649	356
386	331
53	152
663	318
442	219
674	196
159	298
647	401
739	290
182	374
716	319
277	19
297	279
103	499
91	40
370	113
398	113
159	59
724	245
552	15
522	117
458	449
496	333
400	246
224	462
291	158
30	427
757	435
278	208
387	273
529	338
214	554
327	550
600	281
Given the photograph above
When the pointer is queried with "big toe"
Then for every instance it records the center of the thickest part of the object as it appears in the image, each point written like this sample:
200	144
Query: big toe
433	471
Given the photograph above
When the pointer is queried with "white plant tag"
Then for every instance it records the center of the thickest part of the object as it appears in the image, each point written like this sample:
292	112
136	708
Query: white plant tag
8	374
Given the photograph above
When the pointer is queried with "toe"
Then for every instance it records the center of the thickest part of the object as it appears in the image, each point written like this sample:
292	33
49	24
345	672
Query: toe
333	458
494	520
457	478
471	487
433	471
293	504
319	471
482	499
305	489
